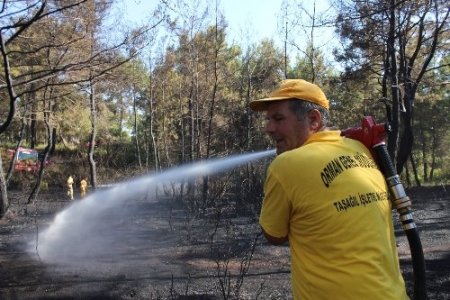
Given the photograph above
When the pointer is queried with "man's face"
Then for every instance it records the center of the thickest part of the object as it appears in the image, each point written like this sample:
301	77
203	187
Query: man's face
284	128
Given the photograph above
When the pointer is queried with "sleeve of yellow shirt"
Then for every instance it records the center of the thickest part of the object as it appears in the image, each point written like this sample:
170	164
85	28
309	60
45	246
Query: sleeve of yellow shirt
275	211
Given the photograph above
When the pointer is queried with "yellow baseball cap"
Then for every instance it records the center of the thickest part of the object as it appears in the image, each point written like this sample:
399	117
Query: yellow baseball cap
293	89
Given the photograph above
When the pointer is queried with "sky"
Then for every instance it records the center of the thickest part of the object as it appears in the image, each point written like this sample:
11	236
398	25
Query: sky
249	21
260	15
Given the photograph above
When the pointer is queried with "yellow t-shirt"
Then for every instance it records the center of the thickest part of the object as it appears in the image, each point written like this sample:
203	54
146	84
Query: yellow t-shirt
331	201
69	182
83	184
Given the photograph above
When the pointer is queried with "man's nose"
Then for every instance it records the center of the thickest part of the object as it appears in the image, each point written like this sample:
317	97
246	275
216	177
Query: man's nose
269	127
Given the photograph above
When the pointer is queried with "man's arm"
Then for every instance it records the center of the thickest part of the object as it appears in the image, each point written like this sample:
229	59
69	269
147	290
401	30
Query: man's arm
274	240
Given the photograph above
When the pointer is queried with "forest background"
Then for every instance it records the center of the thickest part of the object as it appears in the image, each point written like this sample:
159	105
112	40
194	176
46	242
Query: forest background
108	101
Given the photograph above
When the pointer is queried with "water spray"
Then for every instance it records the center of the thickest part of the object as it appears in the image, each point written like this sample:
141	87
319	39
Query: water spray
372	135
80	231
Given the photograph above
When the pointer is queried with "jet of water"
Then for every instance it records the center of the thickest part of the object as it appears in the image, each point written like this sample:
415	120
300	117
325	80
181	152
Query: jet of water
82	230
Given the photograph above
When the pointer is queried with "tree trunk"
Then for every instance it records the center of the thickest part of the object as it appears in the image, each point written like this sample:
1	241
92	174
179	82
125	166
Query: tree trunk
33	124
93	170
164	127
285	50
4	203
49	130
424	155
434	144
152	130
408	62
54	135
407	175
413	165
136	133
211	111
407	137
183	126
392	80
19	142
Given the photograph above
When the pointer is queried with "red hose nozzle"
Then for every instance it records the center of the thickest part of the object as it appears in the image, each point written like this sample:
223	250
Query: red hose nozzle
370	133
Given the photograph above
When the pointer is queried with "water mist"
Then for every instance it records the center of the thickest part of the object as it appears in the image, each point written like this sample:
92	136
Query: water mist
83	231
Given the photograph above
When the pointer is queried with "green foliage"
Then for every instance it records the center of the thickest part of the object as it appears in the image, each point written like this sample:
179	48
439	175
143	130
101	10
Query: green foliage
189	99
432	134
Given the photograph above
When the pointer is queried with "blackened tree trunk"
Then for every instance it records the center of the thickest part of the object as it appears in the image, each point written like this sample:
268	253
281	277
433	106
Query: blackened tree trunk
48	108
91	160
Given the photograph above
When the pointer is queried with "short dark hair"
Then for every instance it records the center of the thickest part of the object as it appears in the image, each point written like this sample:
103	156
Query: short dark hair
302	107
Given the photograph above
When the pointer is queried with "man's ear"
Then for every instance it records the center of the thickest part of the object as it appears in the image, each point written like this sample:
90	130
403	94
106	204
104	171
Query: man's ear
315	120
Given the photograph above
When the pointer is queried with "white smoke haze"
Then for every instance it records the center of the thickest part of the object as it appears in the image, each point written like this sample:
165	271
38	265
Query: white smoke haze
99	225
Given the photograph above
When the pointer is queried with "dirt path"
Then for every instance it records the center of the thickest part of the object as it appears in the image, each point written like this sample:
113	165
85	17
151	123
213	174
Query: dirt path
160	252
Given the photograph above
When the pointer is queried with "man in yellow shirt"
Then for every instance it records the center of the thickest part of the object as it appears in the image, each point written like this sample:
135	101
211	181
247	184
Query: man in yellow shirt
325	195
69	185
83	187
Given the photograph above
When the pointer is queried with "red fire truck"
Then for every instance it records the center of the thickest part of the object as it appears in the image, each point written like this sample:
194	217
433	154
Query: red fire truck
26	159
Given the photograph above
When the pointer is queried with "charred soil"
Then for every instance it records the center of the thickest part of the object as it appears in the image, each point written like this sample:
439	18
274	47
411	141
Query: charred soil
165	252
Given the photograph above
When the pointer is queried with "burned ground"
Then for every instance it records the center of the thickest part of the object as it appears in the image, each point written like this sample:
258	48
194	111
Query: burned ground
161	251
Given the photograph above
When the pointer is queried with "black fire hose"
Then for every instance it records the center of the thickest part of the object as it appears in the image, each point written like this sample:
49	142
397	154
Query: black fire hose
402	204
372	136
